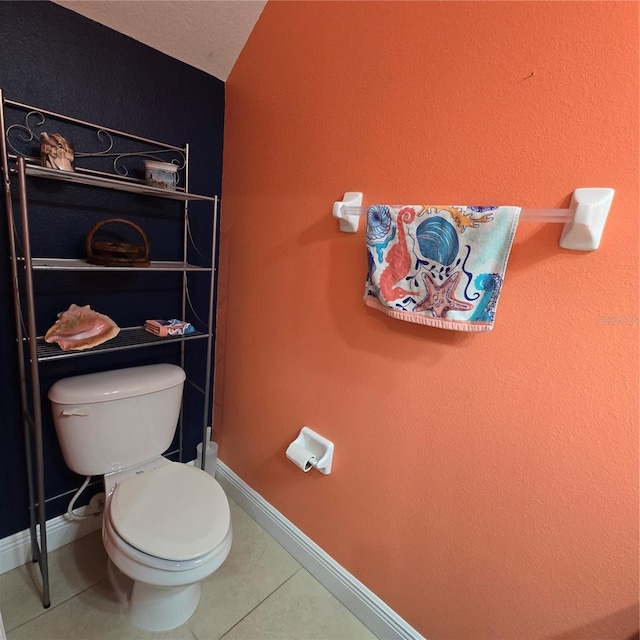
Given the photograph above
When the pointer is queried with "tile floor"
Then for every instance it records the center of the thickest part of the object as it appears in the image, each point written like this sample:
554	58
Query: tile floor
259	593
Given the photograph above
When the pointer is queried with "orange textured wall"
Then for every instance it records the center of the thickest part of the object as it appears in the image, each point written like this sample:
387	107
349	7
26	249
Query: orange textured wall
484	486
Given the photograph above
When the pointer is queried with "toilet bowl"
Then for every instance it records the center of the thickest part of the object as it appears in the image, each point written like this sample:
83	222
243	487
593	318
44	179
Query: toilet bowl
161	545
166	525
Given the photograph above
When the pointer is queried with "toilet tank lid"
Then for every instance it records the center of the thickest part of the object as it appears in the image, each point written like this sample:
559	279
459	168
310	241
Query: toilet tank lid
116	384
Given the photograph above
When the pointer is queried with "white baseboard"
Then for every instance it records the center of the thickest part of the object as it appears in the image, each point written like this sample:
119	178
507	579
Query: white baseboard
15	550
385	623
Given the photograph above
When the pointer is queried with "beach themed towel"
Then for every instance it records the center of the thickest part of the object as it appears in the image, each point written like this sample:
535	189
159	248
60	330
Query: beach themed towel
438	265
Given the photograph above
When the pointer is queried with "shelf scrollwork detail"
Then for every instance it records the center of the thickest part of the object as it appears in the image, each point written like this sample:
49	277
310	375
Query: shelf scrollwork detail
21	137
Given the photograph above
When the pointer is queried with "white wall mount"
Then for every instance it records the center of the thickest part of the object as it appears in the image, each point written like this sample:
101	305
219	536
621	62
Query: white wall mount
311	450
584	220
348	223
591	208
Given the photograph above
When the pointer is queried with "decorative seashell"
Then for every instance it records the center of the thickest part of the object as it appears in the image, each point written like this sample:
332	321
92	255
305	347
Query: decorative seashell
438	240
80	328
55	152
378	222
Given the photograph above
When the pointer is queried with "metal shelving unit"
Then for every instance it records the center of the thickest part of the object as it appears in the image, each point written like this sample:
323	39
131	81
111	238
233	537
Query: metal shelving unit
18	170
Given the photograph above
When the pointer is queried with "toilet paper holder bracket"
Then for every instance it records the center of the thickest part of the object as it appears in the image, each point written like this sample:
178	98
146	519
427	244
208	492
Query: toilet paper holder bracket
320	450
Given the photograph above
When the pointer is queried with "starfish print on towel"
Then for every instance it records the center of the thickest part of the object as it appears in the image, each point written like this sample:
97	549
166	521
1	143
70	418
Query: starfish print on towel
440	299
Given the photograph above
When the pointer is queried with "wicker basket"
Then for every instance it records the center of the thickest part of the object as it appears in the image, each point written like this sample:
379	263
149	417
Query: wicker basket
117	254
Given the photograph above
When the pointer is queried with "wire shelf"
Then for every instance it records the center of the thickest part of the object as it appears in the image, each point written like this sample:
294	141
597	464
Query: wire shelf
128	338
112	183
72	264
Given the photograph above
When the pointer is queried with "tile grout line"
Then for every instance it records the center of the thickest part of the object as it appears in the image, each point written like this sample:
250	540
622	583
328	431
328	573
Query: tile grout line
300	568
44	611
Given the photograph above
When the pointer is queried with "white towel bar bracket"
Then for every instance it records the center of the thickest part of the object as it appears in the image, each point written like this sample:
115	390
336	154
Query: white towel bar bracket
584	220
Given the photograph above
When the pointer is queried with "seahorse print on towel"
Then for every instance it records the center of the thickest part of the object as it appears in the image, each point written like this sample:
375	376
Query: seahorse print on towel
490	284
399	260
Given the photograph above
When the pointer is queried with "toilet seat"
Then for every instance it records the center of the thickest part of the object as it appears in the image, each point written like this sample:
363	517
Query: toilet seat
138	565
175	512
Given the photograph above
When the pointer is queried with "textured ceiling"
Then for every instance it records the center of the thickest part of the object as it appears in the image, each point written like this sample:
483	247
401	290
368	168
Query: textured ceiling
207	34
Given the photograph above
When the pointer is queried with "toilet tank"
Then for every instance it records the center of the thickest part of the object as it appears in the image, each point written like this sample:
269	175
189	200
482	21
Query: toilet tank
115	419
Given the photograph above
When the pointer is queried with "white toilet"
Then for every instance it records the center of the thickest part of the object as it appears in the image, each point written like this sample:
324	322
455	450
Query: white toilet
166	526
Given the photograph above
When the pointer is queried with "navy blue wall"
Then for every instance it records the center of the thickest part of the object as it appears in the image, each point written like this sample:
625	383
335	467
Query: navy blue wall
57	60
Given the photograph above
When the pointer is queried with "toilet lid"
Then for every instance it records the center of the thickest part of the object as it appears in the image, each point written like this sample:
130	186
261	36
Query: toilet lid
176	512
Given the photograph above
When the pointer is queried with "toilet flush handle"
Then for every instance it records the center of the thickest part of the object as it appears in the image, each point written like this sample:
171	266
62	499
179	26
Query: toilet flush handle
76	411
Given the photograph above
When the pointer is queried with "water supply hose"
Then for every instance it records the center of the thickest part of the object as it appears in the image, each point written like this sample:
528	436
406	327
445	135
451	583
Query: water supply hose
75	516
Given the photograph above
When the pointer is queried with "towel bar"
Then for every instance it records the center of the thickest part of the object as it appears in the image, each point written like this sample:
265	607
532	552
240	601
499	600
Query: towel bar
584	220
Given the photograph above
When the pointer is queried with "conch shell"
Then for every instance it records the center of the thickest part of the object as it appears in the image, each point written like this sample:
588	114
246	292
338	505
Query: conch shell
80	328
